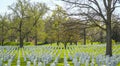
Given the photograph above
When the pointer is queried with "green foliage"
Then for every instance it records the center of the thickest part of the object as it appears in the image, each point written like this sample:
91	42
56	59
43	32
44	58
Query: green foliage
11	43
39	43
30	20
116	32
17	43
88	42
28	43
113	42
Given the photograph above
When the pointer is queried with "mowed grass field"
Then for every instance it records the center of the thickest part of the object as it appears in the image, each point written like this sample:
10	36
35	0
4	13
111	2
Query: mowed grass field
60	50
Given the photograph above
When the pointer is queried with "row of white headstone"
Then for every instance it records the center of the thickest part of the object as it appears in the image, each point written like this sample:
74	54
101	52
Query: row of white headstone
40	57
43	55
7	53
84	58
88	59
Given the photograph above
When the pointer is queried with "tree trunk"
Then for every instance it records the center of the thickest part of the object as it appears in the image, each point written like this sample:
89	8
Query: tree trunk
84	36
70	42
108	30
21	42
91	42
2	38
21	39
20	36
36	39
2	43
108	40
27	39
76	43
58	43
65	45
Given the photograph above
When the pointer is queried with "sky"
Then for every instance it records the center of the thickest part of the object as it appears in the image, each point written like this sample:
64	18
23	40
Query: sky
5	3
50	3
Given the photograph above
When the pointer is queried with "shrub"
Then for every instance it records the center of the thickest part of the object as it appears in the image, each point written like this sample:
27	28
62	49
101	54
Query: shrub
11	43
28	43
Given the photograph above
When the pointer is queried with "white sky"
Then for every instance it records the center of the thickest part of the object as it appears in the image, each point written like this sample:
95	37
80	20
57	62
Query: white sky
5	3
50	3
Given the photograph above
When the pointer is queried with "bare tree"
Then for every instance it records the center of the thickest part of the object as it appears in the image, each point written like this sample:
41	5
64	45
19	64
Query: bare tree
99	14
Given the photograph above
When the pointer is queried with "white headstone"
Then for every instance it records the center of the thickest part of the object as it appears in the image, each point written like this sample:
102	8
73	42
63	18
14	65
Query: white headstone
34	62
0	62
5	65
114	63
92	64
24	58
44	63
18	62
28	63
9	62
87	63
40	64
53	64
68	64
